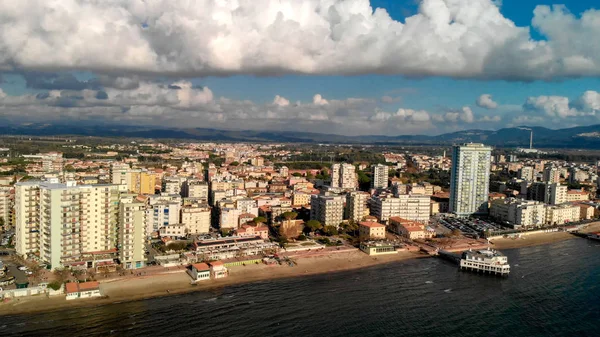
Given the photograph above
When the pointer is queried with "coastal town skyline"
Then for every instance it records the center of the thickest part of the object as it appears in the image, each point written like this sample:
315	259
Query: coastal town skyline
299	168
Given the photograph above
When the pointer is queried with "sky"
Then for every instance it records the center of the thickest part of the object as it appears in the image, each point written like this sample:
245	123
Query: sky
352	67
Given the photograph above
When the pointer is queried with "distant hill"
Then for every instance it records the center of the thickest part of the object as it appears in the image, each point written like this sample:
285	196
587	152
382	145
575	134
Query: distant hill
585	137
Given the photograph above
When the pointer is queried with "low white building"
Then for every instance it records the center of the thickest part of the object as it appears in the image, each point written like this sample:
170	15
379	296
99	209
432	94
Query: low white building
82	290
199	272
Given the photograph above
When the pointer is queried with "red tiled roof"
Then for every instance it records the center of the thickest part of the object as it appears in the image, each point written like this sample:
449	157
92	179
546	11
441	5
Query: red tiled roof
371	224
201	266
216	263
89	285
71	287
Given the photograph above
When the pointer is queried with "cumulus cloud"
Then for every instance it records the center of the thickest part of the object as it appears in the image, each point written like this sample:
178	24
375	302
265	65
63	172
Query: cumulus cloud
280	101
552	106
486	101
457	38
319	100
589	101
465	114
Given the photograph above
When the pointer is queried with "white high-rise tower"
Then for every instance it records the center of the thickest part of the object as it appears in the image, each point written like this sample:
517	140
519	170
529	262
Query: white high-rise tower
470	179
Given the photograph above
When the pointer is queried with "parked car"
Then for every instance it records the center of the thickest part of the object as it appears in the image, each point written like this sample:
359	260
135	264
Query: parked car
23	268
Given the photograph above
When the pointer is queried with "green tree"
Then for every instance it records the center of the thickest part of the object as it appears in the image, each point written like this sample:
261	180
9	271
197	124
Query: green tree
313	225
289	215
330	230
235	163
259	220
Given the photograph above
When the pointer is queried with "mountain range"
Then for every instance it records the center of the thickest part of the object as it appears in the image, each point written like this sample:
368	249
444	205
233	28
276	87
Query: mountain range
581	137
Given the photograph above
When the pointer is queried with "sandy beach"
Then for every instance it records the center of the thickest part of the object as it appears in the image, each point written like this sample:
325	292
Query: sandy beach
177	282
541	239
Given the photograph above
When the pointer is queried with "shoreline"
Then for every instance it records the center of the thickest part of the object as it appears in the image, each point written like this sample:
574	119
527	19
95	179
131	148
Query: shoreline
175	283
541	238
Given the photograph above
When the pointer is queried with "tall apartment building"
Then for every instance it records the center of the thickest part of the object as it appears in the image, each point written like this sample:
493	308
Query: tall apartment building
527	173
119	174
343	176
470	179
142	182
62	222
328	210
5	204
196	219
172	185
519	212
27	217
553	194
551	174
99	209
162	213
194	188
356	205
136	180
132	233
409	207
380	176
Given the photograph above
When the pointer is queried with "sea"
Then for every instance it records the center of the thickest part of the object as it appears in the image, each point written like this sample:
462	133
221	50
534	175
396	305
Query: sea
553	290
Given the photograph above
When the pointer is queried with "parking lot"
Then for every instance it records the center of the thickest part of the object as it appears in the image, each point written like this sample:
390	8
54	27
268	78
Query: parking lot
469	227
12	270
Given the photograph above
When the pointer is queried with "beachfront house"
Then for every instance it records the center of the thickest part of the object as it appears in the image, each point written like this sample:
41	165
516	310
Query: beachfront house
199	272
82	290
218	270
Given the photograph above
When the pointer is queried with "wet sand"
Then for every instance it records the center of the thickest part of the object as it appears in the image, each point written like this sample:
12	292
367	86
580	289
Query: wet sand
177	282
531	240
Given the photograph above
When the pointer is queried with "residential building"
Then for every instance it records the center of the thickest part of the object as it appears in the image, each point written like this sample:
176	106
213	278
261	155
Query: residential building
356	205
162	213
253	231
300	199
380	176
99	215
233	246
527	173
5	203
196	218
371	231
174	231
577	195
132	233
406	206
551	174
409	229
194	188
328	210
519	212
470	178
549	193
586	212
343	176
561	214
27	217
